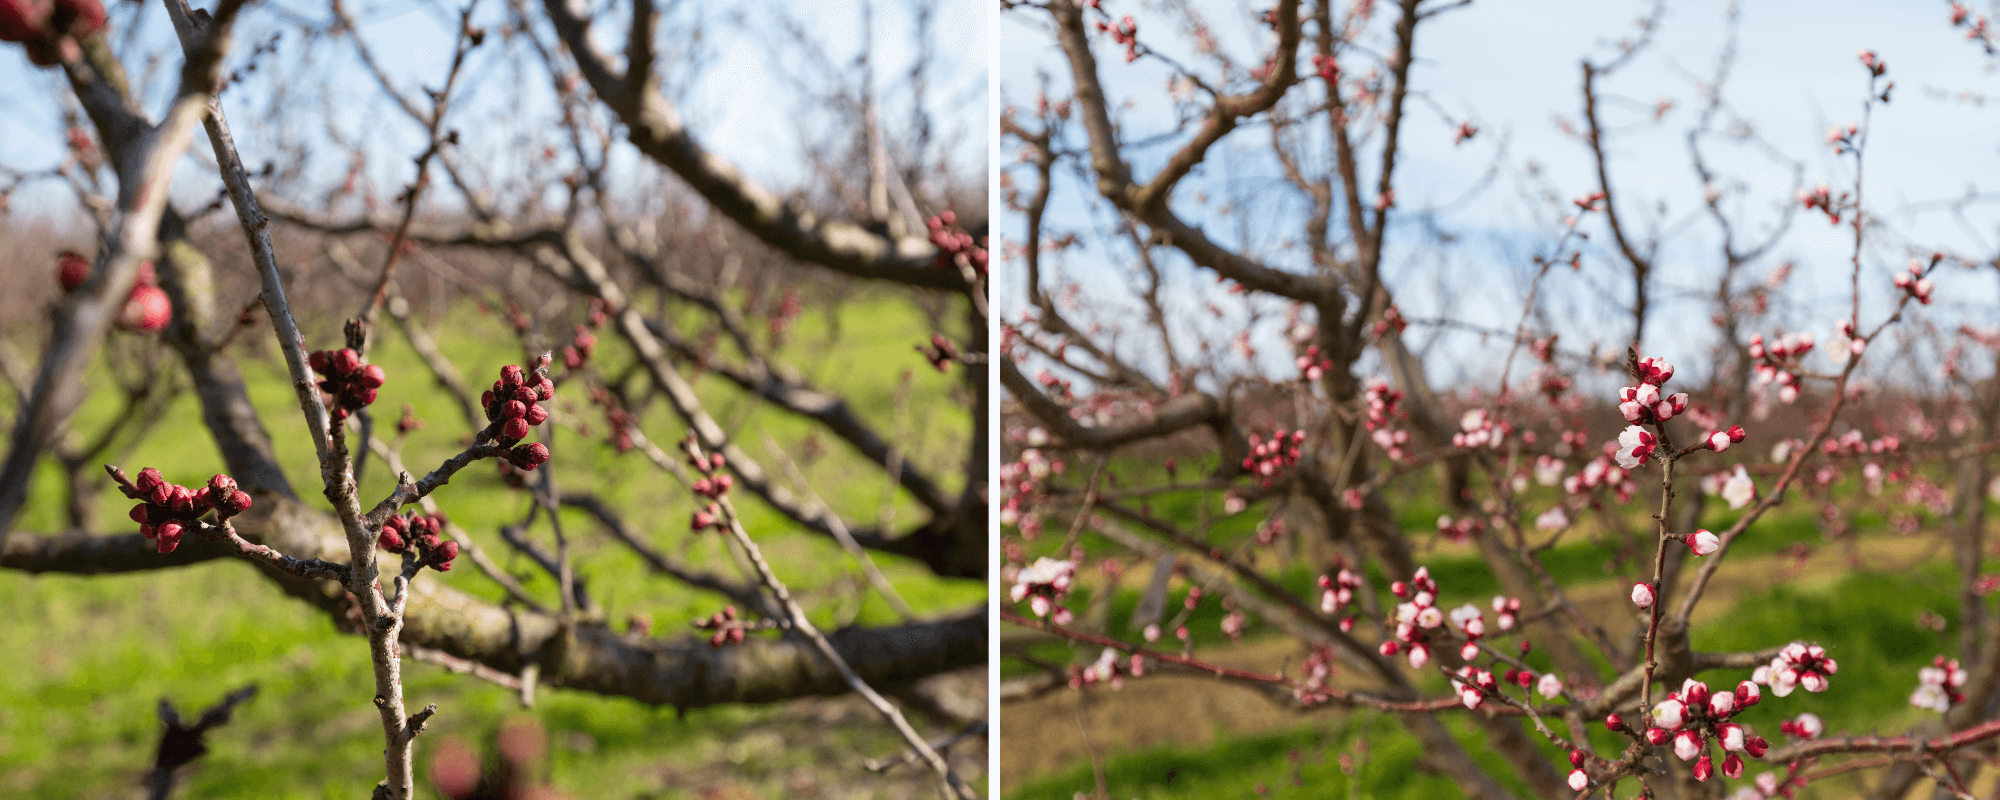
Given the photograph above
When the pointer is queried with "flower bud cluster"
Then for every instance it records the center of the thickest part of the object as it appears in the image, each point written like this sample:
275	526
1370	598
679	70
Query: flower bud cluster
1312	366
1843	138
1270	457
1692	716
1779	362
1599	472
956	248
580	348
50	31
1020	485
1643	404
1392	318
515	402
1915	283
346	385
1106	669
1821	198
1415	618
166	511
1461	530
1044	584
1473	684
1798	664
940	353
1328	70
1337	591
1478	428
1938	685
1126	32
417	531
713	486
728	628
1721	440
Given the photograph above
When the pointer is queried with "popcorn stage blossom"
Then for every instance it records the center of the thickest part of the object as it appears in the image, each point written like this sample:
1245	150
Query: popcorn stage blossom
1798	664
1635	447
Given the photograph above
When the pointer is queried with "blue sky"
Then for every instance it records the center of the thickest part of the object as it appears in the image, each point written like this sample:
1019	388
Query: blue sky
1513	69
738	100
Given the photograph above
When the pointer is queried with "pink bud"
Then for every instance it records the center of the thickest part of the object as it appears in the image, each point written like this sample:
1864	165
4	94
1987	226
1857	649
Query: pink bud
1732	767
536	415
1747	694
1704	543
1642	595
1612	722
515	428
1756	746
1687	745
1578	781
1657	736
1704	769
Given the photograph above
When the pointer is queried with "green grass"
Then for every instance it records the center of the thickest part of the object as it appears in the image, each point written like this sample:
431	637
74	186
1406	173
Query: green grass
85	659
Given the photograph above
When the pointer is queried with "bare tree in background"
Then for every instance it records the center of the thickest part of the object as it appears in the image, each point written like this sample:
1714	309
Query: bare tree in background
604	218
1113	369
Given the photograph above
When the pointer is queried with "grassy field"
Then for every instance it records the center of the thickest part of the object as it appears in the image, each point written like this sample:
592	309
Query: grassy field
83	661
1869	600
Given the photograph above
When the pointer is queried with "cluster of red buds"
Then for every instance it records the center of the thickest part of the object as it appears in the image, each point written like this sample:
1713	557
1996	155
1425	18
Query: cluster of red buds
1938	685
1478	428
1915	283
1382	402
956	247
1415	618
1779	362
1044	584
1056	386
1876	66
1269	457
1336	592
165	511
1327	68
1126	32
1821	197
1311	364
49	30
1473	685
1392	320
346	385
783	315
1466	130
1798	664
580	348
728	628
712	486
1721	440
1461	530
620	421
1842	136
146	309
1599	472
940	353
1020	480
514	405
403	532
1690	717
1643	404
1106	669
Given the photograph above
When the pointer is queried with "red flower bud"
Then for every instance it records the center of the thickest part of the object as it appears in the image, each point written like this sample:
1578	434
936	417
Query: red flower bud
514	409
147	310
373	377
237	503
222	484
525	394
181	501
537	415
528	456
21	19
510	376
1612	722
389	540
1576	758
546	390
148	531
148	478
1756	746
72	269
319	361
345	362
515	428
1657	736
